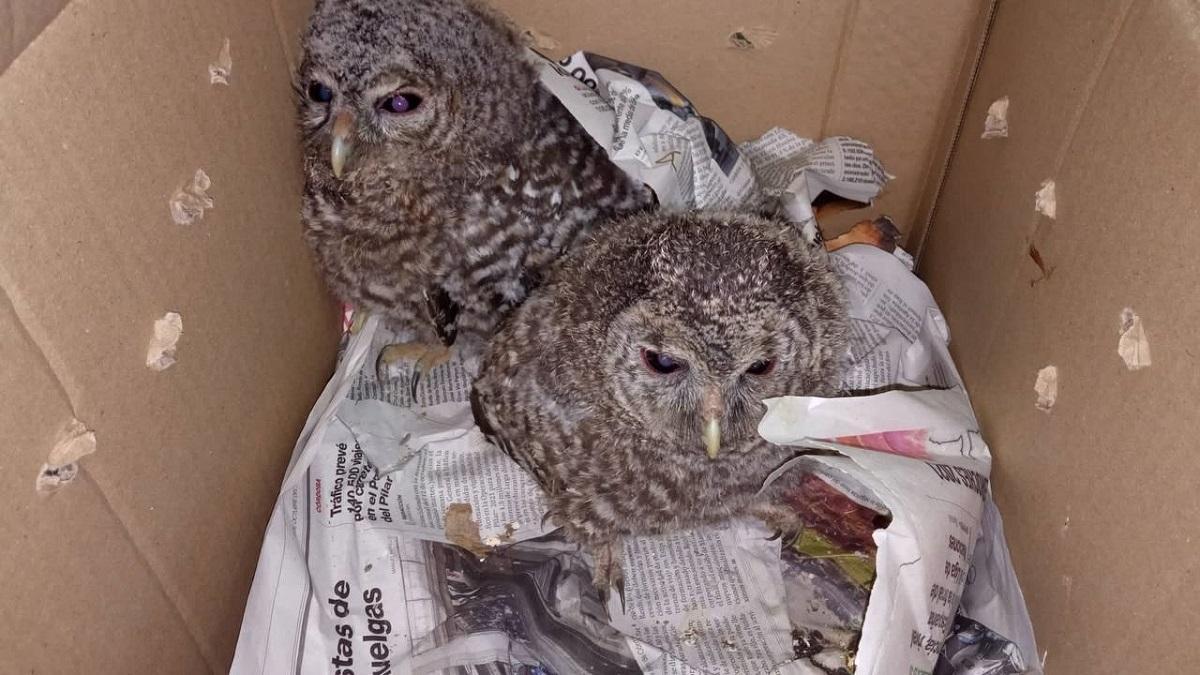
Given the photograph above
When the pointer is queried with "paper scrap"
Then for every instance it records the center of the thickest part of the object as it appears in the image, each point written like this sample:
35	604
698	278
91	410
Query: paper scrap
74	441
1044	201
189	202
160	355
1046	388
220	70
1133	345
996	124
755	37
539	40
463	530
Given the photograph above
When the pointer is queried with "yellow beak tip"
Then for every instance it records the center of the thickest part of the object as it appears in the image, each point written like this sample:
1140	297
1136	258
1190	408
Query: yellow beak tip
712	438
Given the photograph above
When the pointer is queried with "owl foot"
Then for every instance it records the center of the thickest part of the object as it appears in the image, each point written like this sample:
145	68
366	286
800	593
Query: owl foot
426	356
356	322
784	521
608	574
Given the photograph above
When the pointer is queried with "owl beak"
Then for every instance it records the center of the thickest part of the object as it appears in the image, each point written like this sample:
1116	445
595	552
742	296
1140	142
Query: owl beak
343	143
712	422
712	437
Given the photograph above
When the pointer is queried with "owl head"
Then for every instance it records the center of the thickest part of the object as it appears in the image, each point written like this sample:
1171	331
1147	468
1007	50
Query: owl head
408	86
722	311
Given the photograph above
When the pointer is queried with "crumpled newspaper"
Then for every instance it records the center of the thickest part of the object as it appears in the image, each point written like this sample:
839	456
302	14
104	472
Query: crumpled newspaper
379	488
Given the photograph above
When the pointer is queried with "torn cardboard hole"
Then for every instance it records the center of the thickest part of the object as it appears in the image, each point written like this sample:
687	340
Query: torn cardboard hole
160	355
51	478
1046	388
996	124
1045	200
1133	345
219	71
189	203
755	37
1036	256
74	442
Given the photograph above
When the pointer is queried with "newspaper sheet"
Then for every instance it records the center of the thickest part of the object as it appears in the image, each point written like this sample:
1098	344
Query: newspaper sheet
653	132
403	542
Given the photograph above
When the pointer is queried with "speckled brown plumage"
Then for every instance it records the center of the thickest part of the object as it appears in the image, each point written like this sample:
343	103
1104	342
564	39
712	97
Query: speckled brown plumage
448	212
572	385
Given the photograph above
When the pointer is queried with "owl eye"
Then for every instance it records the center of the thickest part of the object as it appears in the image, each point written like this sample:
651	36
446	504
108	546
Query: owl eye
320	93
661	363
400	103
761	367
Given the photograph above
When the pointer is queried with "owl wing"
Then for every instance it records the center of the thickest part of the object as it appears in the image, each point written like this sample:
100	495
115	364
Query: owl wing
527	458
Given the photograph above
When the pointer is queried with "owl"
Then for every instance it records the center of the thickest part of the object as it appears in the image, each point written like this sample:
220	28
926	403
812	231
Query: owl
630	385
441	179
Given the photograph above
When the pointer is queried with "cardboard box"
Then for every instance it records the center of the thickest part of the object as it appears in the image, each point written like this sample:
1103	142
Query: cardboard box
143	560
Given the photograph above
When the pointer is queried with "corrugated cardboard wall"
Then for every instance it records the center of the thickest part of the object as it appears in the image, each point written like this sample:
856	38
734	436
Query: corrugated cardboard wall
144	561
1099	495
148	554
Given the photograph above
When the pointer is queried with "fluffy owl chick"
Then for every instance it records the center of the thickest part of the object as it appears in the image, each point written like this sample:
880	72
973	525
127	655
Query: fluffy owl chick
631	384
441	178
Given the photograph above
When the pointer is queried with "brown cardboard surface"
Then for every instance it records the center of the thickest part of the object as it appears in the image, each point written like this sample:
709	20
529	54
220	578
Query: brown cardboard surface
985	214
72	575
1098	495
20	23
945	141
189	459
896	87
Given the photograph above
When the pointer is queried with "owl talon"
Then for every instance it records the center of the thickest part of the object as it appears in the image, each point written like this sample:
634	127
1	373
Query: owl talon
785	522
604	593
618	582
608	574
426	358
413	383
